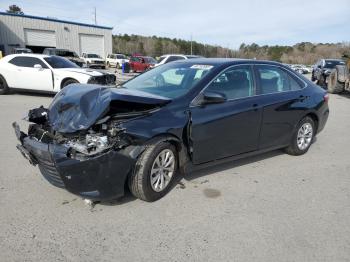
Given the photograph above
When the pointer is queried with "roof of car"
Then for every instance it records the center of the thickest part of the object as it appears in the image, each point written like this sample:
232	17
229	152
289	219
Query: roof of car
331	59
28	55
173	55
222	61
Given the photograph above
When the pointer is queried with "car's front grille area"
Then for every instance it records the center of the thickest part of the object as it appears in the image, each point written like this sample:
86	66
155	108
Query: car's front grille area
98	62
49	171
107	79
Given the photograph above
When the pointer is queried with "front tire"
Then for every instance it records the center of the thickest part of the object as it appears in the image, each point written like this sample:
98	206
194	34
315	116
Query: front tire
154	172
302	137
69	82
4	89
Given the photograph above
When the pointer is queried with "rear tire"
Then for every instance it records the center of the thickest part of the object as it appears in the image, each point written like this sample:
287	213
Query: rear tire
334	86
143	179
4	88
304	132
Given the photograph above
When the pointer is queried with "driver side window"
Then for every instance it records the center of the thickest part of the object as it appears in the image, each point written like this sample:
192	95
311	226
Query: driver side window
234	83
23	61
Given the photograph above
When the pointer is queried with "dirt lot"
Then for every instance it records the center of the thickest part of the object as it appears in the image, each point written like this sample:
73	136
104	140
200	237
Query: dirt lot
273	207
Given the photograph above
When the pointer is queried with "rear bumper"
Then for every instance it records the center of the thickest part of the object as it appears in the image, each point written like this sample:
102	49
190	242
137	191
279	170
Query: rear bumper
97	178
323	117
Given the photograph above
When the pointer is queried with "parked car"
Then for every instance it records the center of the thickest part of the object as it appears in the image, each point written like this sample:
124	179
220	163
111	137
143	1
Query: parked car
173	57
93	60
70	55
301	69
141	63
182	115
116	60
45	73
22	50
323	68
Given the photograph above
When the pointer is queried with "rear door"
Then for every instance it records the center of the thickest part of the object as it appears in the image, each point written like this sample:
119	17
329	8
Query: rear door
26	76
228	128
282	98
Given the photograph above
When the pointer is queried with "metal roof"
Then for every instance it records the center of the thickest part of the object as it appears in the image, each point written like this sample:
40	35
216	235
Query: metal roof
56	20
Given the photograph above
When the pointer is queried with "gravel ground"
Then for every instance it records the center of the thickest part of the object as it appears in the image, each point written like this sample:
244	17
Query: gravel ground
273	207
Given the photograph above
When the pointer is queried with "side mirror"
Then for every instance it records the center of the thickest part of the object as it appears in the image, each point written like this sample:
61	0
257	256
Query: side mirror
38	66
213	98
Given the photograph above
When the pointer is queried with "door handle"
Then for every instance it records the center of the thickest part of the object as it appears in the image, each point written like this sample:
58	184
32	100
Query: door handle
255	107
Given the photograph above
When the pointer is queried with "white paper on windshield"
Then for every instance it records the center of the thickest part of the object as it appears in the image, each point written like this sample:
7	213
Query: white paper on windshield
203	67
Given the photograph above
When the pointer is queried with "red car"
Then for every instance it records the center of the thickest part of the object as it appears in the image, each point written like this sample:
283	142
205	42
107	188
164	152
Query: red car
141	63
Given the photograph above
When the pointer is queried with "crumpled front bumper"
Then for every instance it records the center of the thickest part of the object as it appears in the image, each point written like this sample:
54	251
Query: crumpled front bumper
97	178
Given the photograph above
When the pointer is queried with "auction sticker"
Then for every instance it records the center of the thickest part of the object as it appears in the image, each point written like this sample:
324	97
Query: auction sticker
203	67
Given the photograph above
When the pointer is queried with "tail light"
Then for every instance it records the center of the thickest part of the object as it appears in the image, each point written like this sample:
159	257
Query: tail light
326	97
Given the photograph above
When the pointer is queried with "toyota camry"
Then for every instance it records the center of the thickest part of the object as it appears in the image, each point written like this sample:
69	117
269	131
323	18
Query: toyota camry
93	140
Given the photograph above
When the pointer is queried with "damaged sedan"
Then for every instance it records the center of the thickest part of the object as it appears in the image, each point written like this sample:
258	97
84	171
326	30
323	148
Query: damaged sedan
94	141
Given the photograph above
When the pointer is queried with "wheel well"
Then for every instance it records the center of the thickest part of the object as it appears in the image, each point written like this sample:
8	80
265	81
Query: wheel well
315	118
66	79
3	78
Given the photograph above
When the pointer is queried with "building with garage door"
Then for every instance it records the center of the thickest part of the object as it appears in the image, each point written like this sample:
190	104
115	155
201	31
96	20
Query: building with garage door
38	33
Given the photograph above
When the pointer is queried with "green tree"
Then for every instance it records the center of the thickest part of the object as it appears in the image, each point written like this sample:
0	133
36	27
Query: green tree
140	48
158	48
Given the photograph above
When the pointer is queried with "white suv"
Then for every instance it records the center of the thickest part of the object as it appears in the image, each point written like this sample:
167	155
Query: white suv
116	60
93	60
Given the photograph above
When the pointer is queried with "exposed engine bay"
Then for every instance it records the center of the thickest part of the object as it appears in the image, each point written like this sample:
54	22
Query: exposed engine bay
88	120
101	137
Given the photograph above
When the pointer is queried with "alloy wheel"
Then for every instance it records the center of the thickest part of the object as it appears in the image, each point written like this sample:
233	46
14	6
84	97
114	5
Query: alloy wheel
162	170
305	134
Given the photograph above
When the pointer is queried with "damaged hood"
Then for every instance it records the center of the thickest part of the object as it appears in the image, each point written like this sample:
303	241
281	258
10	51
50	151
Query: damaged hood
78	107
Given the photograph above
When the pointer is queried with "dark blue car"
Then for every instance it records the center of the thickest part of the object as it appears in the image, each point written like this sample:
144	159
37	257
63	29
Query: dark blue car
94	140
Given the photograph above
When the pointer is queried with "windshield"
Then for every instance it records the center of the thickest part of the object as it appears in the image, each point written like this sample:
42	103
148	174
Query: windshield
24	51
160	59
66	53
171	80
60	62
93	56
121	57
333	63
150	60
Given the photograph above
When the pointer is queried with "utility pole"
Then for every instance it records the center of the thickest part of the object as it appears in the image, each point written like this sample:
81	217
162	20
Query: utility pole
95	15
191	44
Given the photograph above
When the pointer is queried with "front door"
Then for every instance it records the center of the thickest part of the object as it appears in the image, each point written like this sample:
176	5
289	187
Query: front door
31	73
231	127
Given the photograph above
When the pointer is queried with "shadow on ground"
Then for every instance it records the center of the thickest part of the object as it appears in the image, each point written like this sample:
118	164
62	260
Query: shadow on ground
201	172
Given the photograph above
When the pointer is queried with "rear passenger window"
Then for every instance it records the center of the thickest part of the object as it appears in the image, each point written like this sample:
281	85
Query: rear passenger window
275	80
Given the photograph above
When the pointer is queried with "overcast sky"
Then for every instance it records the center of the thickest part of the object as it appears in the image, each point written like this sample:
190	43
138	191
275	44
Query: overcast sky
224	22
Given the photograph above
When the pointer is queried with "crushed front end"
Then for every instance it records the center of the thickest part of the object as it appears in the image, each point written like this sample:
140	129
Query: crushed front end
93	165
79	142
